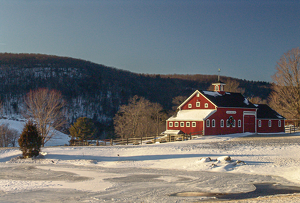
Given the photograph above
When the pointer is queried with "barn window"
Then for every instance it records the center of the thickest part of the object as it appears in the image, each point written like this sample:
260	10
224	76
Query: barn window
239	123
222	123
187	124
259	123
227	123
197	104
279	123
207	123
206	105
213	123
181	124
170	124
190	106
198	95
176	124
233	124
193	124
270	123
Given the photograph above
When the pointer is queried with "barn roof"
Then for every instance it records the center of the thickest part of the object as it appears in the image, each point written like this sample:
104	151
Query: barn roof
228	99
192	115
266	112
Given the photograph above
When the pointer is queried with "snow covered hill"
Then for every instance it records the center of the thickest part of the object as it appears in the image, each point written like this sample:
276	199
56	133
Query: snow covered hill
59	139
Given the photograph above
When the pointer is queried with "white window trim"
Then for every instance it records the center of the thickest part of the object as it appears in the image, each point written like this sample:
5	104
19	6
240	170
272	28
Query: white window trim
189	106
170	124
233	125
279	123
193	124
181	124
197	104
213	123
270	123
176	124
259	123
239	123
206	105
207	123
222	123
187	124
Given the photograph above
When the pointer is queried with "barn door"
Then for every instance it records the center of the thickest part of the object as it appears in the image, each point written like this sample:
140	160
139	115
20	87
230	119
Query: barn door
249	123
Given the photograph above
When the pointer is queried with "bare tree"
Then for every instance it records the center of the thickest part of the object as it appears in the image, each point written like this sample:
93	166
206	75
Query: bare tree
177	101
46	107
233	86
139	118
285	97
8	137
257	100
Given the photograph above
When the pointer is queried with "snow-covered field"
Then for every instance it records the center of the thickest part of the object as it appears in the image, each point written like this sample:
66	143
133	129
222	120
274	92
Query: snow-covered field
166	172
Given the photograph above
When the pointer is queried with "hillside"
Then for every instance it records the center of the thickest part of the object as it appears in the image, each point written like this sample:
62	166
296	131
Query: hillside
95	90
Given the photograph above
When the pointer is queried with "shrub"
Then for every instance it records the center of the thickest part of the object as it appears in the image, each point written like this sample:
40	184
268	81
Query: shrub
30	141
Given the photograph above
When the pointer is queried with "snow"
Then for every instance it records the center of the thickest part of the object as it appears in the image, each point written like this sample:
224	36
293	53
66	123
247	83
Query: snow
272	155
172	132
246	101
192	115
214	94
58	139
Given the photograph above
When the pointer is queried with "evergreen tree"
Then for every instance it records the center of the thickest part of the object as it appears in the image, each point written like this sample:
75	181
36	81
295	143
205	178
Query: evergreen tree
82	129
30	141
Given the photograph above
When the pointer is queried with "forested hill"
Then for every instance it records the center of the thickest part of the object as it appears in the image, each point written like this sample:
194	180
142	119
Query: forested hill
94	90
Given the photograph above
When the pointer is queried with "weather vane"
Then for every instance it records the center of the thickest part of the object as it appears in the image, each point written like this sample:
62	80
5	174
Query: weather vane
219	74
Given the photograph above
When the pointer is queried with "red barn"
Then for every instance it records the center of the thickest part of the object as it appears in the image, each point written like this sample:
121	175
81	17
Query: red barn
218	112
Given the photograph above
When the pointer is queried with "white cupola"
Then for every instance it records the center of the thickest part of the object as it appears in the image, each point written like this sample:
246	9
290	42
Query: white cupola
219	86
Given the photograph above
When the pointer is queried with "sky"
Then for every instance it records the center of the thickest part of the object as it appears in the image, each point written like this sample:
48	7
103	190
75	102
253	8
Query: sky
244	39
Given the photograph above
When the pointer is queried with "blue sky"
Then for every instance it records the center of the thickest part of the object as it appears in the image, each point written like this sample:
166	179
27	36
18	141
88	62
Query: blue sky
243	38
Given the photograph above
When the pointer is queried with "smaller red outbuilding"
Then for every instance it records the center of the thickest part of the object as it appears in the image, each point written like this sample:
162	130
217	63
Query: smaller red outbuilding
219	112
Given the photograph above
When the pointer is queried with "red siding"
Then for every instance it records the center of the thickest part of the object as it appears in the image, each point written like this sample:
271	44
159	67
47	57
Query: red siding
225	113
273	129
187	130
200	99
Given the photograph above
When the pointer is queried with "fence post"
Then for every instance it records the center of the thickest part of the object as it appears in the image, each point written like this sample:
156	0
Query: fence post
111	141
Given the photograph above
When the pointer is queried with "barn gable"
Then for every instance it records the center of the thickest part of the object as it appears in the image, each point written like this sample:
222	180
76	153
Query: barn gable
197	101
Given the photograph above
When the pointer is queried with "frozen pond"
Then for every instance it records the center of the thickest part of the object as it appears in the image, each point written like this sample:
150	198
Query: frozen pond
126	184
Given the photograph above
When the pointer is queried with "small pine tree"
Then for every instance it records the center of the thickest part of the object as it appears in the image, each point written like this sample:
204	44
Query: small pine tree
30	141
82	129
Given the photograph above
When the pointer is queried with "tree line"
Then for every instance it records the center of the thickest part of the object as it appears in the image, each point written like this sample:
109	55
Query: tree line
96	91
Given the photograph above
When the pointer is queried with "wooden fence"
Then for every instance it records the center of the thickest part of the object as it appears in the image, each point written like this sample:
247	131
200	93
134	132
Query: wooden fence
134	141
291	129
